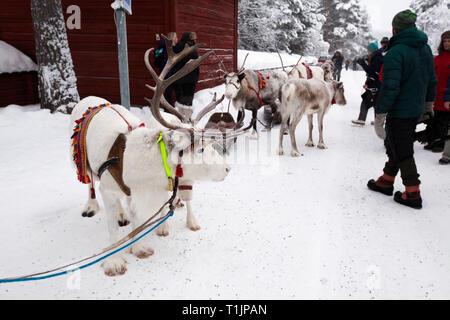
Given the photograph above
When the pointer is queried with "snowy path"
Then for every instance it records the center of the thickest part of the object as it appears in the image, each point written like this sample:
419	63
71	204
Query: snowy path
277	228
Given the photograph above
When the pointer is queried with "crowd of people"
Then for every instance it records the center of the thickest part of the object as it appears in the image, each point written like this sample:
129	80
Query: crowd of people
406	84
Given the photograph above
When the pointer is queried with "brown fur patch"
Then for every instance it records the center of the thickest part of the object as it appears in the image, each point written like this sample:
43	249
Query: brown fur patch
116	170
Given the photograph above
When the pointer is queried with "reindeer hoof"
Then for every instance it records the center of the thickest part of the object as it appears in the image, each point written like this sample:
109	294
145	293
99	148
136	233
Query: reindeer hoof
296	154
322	146
142	251
163	233
89	214
123	223
309	144
114	266
194	228
280	152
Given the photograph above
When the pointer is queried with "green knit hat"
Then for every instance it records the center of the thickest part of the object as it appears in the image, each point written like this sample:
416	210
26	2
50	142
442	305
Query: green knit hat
404	20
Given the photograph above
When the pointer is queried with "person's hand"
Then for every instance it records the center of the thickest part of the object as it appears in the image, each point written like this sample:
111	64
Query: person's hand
379	125
447	105
365	86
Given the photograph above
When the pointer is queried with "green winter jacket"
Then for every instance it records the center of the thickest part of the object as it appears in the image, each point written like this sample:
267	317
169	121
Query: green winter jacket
408	76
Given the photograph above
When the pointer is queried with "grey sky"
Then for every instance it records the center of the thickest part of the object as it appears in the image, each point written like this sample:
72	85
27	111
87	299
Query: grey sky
381	13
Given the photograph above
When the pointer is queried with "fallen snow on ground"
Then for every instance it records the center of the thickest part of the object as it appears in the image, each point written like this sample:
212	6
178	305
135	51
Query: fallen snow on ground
13	60
276	228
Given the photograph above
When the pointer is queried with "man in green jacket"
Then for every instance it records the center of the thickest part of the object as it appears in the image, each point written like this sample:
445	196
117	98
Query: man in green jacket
408	84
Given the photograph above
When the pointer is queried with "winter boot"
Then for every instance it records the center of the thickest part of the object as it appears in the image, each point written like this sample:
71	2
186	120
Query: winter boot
411	197
358	122
384	184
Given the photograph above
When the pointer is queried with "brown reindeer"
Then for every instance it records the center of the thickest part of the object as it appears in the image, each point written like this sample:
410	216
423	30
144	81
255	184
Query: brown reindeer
301	96
249	89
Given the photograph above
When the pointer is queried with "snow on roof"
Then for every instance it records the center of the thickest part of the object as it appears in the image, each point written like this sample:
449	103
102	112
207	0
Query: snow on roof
13	60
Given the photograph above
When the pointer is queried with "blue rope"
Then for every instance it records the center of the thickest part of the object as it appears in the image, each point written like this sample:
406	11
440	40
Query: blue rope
90	263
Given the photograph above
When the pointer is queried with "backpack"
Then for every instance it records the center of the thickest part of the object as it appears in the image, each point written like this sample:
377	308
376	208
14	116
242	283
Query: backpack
158	56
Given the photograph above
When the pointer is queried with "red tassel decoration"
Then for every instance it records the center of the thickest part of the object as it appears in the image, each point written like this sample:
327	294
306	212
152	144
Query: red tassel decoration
92	193
179	171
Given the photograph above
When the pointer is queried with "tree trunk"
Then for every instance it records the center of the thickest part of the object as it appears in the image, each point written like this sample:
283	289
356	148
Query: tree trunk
57	80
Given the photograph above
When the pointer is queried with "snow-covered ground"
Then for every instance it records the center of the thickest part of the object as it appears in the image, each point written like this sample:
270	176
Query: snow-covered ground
276	228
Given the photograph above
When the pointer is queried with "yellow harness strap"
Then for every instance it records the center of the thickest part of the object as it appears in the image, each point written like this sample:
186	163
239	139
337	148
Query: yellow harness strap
162	146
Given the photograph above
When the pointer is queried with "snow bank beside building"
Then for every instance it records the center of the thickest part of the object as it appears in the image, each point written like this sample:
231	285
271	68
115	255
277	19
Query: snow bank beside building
13	60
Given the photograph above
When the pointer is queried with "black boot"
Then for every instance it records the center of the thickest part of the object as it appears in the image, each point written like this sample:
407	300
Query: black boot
382	185
412	199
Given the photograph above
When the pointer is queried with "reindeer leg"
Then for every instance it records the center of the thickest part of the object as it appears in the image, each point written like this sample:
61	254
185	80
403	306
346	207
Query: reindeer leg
292	127
321	144
255	131
310	142
116	264
284	120
122	218
191	221
91	207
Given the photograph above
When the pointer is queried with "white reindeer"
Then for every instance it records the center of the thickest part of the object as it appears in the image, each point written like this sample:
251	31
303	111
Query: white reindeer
141	168
299	97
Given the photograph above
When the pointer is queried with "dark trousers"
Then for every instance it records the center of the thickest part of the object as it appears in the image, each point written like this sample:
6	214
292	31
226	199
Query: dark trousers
368	102
399	145
440	125
184	92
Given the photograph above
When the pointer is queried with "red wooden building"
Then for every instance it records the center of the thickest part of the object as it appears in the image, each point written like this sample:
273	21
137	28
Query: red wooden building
94	45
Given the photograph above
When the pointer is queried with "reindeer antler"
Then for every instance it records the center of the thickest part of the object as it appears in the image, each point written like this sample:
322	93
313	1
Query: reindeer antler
161	84
243	64
296	64
211	106
222	67
279	55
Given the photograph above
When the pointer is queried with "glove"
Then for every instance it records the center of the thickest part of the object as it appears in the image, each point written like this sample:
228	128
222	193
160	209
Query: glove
428	113
379	125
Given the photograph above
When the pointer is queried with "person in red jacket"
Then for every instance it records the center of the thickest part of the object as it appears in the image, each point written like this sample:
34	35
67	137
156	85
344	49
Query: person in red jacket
441	114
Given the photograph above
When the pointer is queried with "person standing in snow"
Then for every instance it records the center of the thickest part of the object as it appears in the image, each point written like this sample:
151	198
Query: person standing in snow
441	117
408	84
338	60
384	42
185	87
372	84
446	155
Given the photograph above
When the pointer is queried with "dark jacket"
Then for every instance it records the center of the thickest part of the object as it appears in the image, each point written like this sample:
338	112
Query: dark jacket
373	69
161	55
447	91
194	75
338	61
408	76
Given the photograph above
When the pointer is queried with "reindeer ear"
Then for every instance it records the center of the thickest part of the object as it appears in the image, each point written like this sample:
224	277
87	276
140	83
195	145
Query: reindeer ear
241	76
177	140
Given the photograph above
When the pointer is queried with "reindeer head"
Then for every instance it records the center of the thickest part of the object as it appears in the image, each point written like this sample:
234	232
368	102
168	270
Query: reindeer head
204	162
338	92
233	80
328	71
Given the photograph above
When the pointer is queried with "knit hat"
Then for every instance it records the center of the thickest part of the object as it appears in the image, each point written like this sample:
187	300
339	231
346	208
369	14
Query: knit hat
404	20
373	46
385	40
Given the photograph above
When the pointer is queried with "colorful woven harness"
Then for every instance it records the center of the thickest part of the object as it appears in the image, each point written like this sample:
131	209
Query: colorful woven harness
261	85
79	142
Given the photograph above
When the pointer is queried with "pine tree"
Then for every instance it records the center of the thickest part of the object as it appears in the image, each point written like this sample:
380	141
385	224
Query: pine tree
57	81
346	26
432	18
